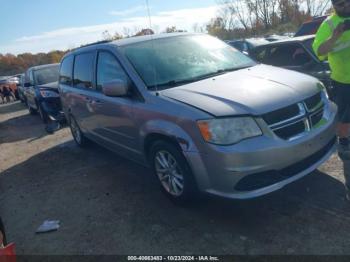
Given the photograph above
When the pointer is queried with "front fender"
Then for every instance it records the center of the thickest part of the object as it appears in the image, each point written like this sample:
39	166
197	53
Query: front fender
170	130
187	144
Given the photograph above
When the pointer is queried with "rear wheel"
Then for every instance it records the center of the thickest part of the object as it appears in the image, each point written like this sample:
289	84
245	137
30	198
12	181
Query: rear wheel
173	172
21	98
31	110
78	136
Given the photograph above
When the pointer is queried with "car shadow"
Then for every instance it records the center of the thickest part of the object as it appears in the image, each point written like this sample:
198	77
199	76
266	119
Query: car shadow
22	127
99	195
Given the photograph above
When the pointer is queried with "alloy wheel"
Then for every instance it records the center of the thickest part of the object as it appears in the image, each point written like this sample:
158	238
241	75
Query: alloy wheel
169	173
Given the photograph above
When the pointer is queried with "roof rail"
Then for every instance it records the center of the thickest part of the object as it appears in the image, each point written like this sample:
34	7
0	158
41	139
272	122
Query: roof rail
94	43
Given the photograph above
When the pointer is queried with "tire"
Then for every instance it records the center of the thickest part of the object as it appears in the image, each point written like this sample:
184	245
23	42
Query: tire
173	173
31	110
78	136
43	115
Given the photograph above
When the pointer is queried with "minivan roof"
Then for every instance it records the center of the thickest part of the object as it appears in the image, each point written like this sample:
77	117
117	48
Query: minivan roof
42	66
130	40
137	39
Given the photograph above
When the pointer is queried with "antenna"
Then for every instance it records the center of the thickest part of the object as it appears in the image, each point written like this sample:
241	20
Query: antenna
154	49
149	15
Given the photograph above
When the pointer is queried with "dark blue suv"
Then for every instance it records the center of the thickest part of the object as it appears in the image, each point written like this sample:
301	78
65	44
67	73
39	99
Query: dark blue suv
42	92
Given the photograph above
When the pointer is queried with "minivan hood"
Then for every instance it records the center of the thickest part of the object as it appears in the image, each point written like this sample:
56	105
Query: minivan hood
253	91
53	85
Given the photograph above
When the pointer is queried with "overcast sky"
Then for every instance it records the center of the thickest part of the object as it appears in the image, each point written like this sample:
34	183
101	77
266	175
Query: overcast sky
44	25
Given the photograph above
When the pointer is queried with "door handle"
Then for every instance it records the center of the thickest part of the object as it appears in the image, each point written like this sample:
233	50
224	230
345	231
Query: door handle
96	102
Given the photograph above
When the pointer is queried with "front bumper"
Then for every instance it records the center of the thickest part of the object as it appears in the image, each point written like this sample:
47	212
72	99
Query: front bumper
261	165
53	108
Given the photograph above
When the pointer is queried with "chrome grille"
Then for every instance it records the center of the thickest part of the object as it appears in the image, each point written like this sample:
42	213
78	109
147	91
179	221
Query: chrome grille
281	114
292	121
316	118
314	102
291	130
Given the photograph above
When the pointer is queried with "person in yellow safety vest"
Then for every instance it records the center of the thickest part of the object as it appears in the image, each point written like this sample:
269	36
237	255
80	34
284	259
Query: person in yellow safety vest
332	42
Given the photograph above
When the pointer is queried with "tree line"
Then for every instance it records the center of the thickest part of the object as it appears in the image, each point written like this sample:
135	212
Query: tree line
11	64
252	18
235	19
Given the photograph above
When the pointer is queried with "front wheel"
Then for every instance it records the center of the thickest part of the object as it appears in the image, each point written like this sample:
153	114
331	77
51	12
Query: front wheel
173	172
21	98
43	115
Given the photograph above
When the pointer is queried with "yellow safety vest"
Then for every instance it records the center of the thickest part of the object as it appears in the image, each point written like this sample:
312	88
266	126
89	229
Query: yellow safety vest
339	57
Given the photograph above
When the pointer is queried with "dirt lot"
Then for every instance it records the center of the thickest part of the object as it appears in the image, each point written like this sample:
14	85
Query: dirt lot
109	205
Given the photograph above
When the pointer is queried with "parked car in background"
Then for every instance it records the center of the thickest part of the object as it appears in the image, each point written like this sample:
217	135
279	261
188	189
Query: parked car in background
15	80
203	117
310	27
10	84
295	54
272	38
20	88
247	45
41	92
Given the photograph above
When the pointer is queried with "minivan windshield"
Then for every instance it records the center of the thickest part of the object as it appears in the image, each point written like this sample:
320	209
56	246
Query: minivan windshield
46	75
171	61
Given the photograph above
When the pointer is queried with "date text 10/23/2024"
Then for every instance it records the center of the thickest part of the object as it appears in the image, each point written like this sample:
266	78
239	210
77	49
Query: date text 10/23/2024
173	258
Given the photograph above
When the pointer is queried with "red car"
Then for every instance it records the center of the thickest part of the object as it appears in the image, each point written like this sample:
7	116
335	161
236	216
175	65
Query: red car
7	251
2	234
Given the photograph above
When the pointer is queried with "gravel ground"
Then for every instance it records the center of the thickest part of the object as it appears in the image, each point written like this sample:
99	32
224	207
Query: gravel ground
109	205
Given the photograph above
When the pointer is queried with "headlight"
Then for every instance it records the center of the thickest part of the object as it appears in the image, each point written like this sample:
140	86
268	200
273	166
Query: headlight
47	93
323	90
228	131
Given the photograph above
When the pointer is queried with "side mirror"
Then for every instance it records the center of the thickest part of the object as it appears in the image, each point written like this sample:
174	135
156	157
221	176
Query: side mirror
116	87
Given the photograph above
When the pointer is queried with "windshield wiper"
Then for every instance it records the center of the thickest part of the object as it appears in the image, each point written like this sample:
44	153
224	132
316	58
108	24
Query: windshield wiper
174	83
218	72
234	68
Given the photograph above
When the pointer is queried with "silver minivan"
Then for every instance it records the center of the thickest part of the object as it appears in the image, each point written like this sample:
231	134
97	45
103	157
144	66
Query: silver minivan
204	116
